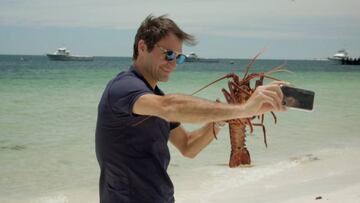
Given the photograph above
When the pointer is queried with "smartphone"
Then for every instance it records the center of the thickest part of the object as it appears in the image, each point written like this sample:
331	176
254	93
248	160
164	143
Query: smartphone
297	98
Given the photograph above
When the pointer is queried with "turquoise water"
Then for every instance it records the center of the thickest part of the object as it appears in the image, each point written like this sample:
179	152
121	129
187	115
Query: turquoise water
48	114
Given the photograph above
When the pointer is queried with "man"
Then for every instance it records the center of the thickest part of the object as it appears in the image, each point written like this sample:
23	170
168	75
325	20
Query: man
136	119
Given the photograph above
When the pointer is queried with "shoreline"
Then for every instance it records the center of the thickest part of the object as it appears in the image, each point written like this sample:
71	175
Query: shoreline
332	177
329	175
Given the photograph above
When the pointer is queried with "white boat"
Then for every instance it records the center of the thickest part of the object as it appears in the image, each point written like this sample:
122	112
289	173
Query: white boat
340	55
64	55
193	57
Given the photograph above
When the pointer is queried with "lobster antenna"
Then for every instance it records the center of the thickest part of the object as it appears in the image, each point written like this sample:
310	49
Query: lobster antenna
139	122
252	62
272	78
280	68
226	76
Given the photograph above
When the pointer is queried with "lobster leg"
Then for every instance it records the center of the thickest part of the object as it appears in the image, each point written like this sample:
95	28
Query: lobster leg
275	119
250	125
229	98
232	90
264	132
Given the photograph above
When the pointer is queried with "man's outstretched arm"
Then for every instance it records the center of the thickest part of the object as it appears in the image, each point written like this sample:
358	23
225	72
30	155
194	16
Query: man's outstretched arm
184	108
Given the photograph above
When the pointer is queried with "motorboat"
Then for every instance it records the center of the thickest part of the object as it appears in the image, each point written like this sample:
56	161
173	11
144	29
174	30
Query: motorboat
62	54
193	57
340	55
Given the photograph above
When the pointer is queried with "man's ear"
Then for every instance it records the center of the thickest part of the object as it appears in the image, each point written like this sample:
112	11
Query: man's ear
142	46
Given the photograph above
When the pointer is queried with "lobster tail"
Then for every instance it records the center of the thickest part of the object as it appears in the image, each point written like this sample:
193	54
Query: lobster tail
239	158
239	153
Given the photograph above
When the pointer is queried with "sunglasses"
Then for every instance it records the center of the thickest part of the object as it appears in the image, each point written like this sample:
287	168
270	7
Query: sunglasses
171	55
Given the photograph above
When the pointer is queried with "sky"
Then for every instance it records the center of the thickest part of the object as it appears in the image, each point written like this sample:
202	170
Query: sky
288	29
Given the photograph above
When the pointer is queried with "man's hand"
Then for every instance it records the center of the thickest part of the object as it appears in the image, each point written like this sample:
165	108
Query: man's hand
265	98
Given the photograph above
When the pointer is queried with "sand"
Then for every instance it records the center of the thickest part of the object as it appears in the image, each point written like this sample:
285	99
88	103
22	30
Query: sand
320	177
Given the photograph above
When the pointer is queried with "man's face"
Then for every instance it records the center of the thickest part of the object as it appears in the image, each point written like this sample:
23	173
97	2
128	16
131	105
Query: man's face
156	64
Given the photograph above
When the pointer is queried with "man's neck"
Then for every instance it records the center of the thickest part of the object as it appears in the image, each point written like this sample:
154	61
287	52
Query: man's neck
142	70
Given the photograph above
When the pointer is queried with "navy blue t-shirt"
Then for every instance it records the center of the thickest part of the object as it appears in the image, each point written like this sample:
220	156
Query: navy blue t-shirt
132	149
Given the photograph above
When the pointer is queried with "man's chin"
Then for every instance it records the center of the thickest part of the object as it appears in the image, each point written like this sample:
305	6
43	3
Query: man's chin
163	79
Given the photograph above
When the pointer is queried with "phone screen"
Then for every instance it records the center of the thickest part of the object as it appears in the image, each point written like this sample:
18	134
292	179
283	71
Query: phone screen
298	98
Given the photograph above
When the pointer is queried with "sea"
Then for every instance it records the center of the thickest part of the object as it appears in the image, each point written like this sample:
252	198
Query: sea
48	114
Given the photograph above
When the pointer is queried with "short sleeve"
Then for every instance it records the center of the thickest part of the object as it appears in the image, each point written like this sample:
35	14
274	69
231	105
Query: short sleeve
124	92
174	125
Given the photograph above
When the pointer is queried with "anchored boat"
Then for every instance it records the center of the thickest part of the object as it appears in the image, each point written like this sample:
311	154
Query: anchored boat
193	57
340	55
64	55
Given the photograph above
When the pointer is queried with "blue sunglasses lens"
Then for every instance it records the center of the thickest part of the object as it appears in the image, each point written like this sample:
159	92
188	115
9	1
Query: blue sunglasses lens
181	59
170	55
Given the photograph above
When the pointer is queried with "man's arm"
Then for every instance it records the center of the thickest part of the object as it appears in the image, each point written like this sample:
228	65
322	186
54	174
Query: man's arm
190	144
184	108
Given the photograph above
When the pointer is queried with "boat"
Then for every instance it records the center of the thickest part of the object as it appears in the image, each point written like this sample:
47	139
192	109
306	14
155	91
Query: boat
64	55
193	57
340	55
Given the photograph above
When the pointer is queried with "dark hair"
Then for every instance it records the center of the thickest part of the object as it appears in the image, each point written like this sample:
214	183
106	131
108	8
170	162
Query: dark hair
153	29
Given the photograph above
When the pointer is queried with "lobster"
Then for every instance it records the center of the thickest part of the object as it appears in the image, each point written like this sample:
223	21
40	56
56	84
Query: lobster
239	92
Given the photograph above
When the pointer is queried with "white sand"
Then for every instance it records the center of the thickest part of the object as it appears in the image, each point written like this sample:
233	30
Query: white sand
332	176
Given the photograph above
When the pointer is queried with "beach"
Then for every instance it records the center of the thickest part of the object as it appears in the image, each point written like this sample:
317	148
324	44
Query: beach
326	176
48	115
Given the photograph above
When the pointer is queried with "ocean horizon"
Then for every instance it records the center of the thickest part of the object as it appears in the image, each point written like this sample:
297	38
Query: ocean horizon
222	58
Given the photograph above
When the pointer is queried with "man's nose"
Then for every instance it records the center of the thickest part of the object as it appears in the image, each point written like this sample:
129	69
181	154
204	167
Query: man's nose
172	64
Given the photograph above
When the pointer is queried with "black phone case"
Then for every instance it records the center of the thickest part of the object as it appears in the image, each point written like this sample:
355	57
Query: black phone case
298	98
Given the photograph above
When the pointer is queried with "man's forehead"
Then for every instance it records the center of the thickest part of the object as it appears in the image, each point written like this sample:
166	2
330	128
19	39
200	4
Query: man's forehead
171	41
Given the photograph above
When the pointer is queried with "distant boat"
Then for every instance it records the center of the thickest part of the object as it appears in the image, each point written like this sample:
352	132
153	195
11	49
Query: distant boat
64	55
192	57
340	55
